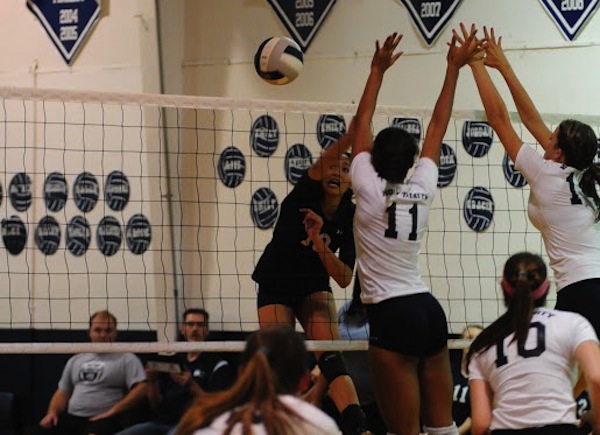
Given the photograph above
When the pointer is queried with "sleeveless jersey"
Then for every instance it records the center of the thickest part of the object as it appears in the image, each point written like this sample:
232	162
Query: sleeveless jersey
560	211
532	386
389	223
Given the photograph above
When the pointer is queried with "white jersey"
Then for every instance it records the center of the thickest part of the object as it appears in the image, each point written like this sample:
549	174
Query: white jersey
314	421
559	210
389	223
533	386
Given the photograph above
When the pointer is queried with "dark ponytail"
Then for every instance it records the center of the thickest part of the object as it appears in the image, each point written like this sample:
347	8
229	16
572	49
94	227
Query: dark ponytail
525	287
589	179
579	145
273	362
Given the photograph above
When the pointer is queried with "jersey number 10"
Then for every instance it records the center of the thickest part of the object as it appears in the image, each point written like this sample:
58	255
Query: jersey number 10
540	347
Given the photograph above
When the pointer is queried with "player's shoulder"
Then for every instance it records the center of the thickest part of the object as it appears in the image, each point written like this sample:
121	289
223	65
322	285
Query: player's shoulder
559	317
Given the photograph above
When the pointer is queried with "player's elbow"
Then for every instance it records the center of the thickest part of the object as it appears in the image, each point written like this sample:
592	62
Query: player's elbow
479	429
343	280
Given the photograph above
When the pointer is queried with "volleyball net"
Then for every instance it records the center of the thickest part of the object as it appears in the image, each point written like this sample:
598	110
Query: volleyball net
146	205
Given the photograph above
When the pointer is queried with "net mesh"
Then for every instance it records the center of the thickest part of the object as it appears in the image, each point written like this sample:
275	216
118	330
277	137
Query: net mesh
149	204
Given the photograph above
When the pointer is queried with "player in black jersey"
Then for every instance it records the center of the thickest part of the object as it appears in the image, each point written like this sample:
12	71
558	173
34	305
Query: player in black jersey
293	274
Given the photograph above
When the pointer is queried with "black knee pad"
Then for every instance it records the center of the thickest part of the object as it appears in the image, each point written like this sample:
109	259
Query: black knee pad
332	365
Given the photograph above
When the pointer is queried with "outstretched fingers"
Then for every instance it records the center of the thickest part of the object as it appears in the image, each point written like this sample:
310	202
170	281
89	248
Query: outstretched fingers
385	55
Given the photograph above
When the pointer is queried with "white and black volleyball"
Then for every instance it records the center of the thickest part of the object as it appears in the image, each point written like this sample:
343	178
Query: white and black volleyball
448	166
512	175
14	234
264	208
231	167
79	236
138	234
298	159
478	208
264	135
55	191
477	137
279	60
411	125
19	191
47	235
116	190
330	128
109	236
86	192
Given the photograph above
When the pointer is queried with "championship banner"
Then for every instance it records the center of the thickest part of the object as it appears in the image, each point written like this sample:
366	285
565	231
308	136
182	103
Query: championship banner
570	15
431	17
302	18
67	22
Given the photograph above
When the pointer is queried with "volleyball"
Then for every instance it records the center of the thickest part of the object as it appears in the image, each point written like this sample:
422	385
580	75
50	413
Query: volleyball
278	60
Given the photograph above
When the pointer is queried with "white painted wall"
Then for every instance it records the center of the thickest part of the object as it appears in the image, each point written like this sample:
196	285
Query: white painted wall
221	37
121	53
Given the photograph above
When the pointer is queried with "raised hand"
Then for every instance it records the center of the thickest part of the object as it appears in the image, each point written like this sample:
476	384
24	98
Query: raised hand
312	224
494	55
464	48
384	56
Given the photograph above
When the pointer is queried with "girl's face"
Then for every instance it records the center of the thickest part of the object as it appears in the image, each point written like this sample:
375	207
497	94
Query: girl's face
554	153
337	176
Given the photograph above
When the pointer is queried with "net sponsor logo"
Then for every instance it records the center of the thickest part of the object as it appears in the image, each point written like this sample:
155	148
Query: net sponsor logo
86	192
477	137
264	208
411	125
297	160
55	191
14	234
231	167
78	236
264	136
478	208
47	235
116	190
512	175
138	234
448	166
109	236
330	128
19	191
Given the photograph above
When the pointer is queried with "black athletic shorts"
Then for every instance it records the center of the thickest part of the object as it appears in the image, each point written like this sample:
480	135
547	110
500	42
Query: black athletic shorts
411	325
284	294
553	429
582	297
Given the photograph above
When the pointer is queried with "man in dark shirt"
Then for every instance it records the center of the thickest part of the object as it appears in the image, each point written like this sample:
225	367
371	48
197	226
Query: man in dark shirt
170	394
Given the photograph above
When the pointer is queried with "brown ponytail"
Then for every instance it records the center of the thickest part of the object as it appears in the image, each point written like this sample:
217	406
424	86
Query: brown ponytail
254	398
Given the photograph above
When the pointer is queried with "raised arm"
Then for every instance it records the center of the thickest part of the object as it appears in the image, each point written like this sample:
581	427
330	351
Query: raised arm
495	110
331	154
528	113
462	49
383	58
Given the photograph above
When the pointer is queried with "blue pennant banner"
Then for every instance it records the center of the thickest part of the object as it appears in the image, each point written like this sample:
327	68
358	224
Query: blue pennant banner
302	18
431	17
68	22
570	15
